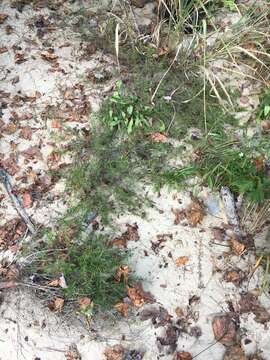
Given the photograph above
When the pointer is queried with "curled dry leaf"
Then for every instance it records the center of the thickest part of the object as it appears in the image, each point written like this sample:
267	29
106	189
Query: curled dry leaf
122	308
195	213
237	247
224	328
138	296
131	234
26	133
73	353
249	303
19	58
183	355
49	56
56	305
122	272
3	49
158	137
235	276
235	353
179	216
181	261
115	352
84	303
54	283
27	200
3	17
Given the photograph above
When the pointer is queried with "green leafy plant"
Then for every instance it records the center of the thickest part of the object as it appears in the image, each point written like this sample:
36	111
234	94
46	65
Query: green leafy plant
264	110
126	111
229	4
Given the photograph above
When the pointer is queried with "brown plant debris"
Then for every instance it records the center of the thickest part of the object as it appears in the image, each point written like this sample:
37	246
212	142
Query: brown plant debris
181	261
234	353
122	308
249	303
237	247
159	317
182	355
138	296
225	329
194	213
10	232
115	352
73	353
235	276
131	234
122	273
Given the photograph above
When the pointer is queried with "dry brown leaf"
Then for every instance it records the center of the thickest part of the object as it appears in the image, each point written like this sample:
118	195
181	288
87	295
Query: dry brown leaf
84	303
237	247
179	216
26	133
224	328
32	152
183	355
27	200
122	272
11	128
235	276
3	49
115	352
59	304
195	213
158	137
3	17
73	353
235	353
181	260
56	124
54	283
131	234
138	296
10	165
49	56
20	58
122	308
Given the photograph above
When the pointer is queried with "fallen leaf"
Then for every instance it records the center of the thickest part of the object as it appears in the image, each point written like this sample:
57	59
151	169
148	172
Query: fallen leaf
54	283
131	234
58	304
122	308
84	303
237	247
73	353
3	49
26	133
10	165
3	18
234	353
159	317
224	328
27	200
179	216
171	336
181	261
138	296
19	58
32	152
235	276
10	129
158	137
11	231
9	30
115	352
218	233
56	124
122	272
195	213
49	56
182	355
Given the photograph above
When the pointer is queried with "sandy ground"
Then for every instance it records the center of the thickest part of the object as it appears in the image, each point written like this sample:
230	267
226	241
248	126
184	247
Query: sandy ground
44	88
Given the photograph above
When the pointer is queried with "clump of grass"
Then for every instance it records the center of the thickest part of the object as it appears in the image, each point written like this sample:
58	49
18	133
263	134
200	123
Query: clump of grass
221	161
89	265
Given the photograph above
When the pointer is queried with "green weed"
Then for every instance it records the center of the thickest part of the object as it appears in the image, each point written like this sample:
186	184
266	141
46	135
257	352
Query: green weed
221	161
264	109
126	111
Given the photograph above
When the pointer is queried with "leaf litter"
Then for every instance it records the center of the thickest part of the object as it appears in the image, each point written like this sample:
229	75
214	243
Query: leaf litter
74	106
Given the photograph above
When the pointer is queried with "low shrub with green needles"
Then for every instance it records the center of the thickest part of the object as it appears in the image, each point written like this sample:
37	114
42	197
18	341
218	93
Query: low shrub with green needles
89	267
